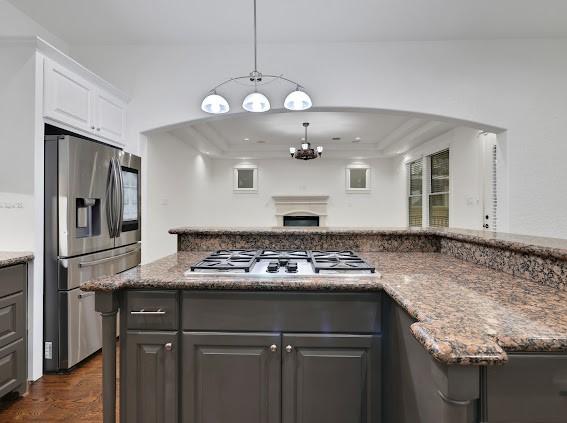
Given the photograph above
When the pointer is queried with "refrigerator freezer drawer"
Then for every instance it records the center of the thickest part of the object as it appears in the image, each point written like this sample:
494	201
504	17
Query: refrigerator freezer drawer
74	271
84	326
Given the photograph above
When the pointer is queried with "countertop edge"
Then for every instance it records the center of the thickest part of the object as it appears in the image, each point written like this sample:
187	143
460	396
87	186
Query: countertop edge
10	258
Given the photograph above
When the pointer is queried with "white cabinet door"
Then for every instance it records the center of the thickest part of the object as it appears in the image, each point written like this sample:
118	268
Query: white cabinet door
110	117
68	98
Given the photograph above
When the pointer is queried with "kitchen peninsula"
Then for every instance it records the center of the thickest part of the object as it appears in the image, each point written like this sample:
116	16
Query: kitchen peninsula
449	329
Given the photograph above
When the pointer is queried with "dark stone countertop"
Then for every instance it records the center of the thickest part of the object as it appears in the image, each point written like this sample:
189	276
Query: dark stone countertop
9	258
466	314
541	246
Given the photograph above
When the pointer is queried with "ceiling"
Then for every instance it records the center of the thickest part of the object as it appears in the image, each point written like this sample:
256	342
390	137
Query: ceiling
230	21
269	135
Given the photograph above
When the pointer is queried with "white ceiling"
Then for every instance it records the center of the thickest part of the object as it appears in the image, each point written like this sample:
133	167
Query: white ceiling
230	21
251	135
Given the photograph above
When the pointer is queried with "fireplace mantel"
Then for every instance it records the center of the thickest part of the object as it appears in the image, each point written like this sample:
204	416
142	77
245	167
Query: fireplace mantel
301	205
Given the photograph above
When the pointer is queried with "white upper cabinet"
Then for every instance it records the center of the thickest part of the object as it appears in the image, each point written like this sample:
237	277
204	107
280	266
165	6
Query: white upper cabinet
79	104
68	98
110	117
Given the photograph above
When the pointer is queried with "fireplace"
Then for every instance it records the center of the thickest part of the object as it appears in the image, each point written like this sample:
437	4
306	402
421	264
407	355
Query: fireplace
301	220
301	210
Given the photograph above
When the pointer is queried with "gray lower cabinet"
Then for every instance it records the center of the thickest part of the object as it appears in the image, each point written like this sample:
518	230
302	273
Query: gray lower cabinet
529	388
331	378
13	355
150	377
231	377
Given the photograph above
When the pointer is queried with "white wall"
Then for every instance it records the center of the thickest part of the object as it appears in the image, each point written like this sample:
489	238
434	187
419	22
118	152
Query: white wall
14	23
382	206
17	97
176	184
519	85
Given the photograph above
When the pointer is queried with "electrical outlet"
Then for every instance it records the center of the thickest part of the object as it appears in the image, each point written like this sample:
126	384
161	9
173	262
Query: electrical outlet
48	353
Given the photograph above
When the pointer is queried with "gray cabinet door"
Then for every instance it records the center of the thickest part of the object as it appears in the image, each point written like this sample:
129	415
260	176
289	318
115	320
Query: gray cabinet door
231	377
331	378
151	377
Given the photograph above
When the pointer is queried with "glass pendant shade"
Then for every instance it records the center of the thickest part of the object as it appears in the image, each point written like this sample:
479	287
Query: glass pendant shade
292	150
298	100
304	146
320	149
215	104
256	103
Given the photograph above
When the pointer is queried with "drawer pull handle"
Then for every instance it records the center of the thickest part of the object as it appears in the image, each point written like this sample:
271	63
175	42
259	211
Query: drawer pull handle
85	295
273	348
158	312
289	348
107	259
168	346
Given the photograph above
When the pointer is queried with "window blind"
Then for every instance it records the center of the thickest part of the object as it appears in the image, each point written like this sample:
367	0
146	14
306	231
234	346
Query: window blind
439	193
415	193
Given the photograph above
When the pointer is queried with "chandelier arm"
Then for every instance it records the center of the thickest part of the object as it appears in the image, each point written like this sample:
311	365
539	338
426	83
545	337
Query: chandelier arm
236	78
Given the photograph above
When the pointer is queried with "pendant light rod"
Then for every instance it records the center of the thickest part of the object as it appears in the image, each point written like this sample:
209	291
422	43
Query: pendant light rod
306	125
255	41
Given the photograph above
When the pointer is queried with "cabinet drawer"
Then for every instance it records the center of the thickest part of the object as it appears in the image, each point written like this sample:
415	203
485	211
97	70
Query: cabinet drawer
12	279
149	310
12	318
12	366
281	311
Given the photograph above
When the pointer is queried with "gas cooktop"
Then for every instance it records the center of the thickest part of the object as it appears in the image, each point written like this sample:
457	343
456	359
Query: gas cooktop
283	263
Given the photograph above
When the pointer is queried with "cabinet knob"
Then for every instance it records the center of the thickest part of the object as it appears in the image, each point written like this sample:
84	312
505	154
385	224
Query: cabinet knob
98	129
289	348
92	127
273	348
168	346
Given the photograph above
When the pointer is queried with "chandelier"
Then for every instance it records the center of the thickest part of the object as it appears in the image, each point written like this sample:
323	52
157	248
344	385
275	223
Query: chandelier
215	103
306	152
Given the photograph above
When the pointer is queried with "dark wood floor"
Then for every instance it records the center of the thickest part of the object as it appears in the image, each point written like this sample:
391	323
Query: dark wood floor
73	397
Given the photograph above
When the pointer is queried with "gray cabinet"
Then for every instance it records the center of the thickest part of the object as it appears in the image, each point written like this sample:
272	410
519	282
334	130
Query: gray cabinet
530	388
331	378
231	377
13	355
150	377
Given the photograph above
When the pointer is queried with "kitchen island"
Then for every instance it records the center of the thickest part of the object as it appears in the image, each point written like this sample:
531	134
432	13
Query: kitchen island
449	335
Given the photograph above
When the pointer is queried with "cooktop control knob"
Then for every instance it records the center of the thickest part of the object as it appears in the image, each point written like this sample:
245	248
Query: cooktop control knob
273	267
283	262
291	267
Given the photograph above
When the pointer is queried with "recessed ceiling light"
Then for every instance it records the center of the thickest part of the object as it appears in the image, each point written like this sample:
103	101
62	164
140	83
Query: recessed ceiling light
261	142
246	139
357	139
336	138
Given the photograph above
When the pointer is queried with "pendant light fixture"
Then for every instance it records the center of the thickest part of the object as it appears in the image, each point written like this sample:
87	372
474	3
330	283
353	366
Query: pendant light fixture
306	152
256	102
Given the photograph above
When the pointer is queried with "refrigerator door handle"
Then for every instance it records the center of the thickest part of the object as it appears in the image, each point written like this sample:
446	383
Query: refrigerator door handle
116	197
120	190
110	215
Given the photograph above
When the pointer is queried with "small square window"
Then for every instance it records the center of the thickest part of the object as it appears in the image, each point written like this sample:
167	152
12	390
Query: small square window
245	179
358	178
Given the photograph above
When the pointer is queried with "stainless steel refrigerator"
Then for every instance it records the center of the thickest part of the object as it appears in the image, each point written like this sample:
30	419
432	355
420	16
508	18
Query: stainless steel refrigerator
92	229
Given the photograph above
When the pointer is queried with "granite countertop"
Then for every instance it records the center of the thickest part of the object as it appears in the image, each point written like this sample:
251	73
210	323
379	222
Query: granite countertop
466	314
541	246
9	258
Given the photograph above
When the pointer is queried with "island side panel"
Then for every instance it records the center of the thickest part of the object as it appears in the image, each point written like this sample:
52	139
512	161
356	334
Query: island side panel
106	303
